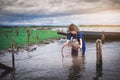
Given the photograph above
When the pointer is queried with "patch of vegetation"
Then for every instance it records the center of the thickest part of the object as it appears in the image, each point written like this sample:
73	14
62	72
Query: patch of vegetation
19	35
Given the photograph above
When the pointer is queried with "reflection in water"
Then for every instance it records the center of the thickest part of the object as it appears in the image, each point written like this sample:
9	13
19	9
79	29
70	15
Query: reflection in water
7	71
12	75
77	67
98	73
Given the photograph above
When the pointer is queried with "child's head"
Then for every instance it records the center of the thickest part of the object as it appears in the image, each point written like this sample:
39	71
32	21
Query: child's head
73	28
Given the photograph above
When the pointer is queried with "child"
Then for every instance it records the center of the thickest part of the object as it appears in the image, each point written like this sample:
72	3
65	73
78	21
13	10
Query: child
75	39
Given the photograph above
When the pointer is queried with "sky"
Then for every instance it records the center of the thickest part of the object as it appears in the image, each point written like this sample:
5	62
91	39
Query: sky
59	12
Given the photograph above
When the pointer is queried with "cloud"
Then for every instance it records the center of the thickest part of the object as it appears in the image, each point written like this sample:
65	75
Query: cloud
18	10
49	7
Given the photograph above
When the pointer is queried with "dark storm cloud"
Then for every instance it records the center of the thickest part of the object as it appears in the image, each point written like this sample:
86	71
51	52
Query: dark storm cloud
13	10
115	3
48	7
91	0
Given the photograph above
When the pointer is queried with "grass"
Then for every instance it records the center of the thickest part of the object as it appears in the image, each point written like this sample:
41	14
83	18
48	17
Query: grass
8	35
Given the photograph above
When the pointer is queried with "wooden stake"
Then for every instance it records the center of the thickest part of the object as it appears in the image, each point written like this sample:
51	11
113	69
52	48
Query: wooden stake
17	31
103	37
28	35
37	37
13	58
98	52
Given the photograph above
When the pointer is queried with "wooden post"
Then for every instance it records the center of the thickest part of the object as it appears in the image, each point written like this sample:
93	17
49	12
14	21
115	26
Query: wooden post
17	46
28	36
103	37
17	31
37	37
99	73
13	58
98	52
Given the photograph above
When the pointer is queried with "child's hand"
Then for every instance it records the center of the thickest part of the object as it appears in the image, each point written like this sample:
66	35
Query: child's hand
80	47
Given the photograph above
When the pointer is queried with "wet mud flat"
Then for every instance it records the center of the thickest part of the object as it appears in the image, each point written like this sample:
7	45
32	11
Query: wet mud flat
46	63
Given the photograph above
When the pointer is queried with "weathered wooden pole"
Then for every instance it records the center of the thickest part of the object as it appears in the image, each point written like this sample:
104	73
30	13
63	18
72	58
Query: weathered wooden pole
28	35
13	58
99	52
17	31
103	37
37	37
99	73
17	46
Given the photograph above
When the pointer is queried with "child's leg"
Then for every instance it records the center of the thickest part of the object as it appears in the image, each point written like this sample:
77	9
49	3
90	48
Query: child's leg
83	50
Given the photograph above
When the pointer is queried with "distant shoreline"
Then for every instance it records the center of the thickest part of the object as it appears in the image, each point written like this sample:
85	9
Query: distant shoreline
95	25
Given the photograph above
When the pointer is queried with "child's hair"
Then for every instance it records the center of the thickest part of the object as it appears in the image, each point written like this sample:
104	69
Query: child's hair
72	27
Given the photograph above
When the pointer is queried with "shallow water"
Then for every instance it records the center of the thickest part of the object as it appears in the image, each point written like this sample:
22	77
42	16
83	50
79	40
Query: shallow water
46	63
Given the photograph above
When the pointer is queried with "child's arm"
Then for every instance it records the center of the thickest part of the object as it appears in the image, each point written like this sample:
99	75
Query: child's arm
80	44
80	39
66	43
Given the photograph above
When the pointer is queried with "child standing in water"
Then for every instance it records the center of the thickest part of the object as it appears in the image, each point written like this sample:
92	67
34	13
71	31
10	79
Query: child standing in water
75	39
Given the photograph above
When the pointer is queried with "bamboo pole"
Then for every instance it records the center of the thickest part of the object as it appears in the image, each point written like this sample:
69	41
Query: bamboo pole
98	52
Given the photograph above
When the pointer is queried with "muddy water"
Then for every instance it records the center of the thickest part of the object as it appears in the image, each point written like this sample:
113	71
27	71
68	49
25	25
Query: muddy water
46	63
